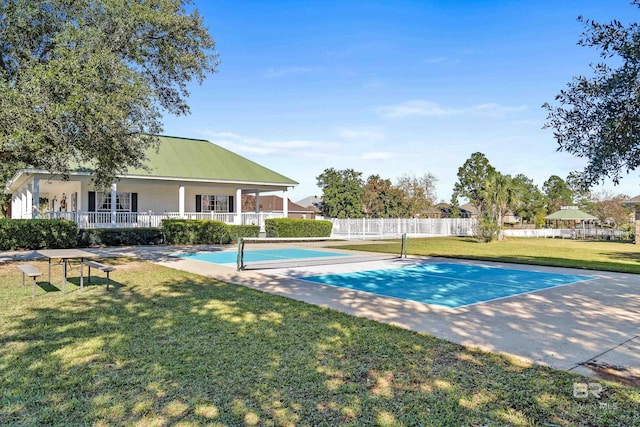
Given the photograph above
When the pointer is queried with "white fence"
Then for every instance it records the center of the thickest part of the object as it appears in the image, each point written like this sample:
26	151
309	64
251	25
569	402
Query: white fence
363	228
567	233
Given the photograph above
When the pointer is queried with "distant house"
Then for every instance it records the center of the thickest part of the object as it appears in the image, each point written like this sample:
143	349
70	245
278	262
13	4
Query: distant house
468	210
187	178
311	202
274	204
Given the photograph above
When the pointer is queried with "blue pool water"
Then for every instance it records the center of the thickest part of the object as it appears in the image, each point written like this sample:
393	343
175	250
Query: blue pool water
448	285
261	255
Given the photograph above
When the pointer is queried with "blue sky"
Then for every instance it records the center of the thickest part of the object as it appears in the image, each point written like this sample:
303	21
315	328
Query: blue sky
393	87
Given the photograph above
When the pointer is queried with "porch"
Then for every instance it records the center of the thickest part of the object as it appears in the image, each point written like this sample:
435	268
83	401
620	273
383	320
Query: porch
86	219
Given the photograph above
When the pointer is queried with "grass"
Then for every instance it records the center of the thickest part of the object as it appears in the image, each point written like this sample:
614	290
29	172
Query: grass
586	254
173	348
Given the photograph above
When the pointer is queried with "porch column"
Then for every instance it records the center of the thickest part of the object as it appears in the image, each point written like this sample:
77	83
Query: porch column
238	207
28	201
181	201
257	202
114	205
35	212
285	203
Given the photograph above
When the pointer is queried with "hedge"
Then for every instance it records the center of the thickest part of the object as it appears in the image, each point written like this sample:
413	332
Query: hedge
119	236
237	231
37	234
293	227
193	232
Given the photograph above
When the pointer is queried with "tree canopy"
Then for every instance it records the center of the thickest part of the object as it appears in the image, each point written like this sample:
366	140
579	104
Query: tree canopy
419	193
342	193
598	117
472	177
558	193
86	82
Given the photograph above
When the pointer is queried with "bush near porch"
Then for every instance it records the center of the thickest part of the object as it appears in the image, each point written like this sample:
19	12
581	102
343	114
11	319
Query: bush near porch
119	237
37	234
204	232
294	227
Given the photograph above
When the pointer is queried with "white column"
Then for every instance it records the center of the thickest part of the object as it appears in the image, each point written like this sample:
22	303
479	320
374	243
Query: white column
285	203
238	207
114	195
28	201
35	210
181	201
15	206
257	202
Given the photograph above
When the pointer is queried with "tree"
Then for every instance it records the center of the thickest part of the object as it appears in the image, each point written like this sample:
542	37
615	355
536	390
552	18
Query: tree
581	194
557	192
598	117
455	207
86	82
498	195
609	209
382	200
419	192
472	177
531	201
342	193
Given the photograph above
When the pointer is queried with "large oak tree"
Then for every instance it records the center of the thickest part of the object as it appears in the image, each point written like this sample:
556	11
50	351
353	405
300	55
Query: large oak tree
87	81
598	117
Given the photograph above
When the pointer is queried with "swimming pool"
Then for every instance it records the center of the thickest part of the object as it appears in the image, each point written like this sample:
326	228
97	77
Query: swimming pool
230	257
447	284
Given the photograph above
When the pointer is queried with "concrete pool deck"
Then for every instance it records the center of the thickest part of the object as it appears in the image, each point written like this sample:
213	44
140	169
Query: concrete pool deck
589	327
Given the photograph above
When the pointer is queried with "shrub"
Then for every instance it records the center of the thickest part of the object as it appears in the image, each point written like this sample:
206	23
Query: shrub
193	232
486	229
37	234
235	232
293	227
119	236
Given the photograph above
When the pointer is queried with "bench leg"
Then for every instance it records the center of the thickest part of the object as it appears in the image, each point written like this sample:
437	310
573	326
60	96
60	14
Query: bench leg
23	280
33	294
107	280
81	275
89	275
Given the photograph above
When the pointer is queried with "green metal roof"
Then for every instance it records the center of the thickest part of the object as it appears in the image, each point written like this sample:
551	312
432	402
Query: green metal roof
569	215
201	159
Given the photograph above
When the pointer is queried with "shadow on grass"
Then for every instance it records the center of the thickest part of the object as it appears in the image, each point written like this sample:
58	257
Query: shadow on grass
171	346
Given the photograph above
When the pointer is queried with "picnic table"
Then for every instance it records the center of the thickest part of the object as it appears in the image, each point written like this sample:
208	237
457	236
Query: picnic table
65	255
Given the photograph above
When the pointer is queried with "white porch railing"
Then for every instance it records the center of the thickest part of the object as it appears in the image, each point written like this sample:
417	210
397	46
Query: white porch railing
154	219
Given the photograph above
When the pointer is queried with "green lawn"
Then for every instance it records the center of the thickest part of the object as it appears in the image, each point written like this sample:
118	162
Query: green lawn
589	254
172	348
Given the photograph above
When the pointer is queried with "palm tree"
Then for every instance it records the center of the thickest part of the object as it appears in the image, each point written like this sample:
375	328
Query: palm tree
499	196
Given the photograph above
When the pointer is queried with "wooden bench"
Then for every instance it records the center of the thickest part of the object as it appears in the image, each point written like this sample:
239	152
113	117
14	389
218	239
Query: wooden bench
102	267
31	271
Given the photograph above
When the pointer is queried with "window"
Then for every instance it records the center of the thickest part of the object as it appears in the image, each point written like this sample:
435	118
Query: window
212	203
123	202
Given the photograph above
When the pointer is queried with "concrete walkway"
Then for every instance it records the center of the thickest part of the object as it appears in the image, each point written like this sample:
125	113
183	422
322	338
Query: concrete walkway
590	327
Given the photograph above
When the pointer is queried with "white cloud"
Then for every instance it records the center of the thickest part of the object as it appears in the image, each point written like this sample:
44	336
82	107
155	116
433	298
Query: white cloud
256	146
377	155
272	73
422	108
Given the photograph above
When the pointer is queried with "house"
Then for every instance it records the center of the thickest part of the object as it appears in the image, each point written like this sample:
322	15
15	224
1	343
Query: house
187	178
311	202
468	210
273	204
